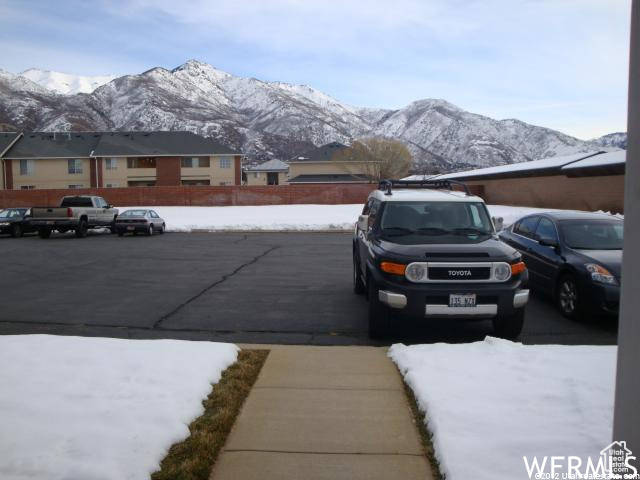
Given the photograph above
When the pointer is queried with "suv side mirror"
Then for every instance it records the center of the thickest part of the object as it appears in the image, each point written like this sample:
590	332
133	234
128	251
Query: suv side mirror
363	222
498	223
548	242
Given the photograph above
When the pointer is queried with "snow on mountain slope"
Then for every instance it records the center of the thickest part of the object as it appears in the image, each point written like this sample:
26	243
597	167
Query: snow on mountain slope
65	83
616	140
276	119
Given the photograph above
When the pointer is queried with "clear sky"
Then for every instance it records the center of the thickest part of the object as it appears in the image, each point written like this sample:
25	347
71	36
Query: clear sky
557	63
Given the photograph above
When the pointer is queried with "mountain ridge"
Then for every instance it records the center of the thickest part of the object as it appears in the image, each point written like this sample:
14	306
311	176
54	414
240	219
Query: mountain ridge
277	119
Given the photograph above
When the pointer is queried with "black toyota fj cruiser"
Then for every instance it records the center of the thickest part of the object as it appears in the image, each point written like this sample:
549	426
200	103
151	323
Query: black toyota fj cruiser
427	250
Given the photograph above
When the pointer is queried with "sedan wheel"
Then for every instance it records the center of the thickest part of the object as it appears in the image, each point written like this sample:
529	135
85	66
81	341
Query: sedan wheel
16	231
568	297
150	231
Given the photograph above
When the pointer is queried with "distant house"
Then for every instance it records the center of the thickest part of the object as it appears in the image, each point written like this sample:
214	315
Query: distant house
272	172
329	163
584	181
39	160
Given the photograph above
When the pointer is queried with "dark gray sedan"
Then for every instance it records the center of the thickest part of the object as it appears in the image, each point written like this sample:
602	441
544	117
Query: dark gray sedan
15	221
139	221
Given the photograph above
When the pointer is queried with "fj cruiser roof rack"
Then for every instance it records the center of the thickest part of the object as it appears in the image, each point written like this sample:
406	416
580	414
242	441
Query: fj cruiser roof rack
434	184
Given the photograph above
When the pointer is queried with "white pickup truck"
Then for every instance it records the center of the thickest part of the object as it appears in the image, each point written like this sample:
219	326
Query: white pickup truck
78	213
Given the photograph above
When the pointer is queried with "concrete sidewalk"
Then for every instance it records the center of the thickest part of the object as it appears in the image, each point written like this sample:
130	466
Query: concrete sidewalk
324	413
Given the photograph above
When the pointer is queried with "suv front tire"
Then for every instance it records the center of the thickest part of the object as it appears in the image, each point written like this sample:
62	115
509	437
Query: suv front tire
379	315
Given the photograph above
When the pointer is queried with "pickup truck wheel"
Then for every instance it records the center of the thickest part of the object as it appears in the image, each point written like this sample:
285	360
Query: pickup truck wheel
510	326
358	285
150	230
379	316
44	232
81	230
16	231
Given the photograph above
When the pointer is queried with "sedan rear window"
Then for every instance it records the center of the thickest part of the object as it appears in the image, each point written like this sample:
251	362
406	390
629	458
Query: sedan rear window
593	234
133	213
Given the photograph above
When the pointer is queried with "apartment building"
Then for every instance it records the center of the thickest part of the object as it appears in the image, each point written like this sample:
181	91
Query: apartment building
328	163
44	160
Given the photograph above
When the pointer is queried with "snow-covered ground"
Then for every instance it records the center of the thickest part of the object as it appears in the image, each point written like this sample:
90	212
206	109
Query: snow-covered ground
285	217
97	408
491	403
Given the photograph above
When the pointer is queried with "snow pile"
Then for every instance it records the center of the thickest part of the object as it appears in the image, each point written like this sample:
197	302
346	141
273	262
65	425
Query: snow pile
285	217
259	218
490	403
89	408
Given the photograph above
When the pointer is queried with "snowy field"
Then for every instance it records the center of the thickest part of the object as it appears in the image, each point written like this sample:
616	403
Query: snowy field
284	217
96	408
490	403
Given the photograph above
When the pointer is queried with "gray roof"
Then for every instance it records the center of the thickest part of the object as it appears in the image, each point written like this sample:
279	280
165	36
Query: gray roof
329	178
54	145
112	144
6	140
274	165
151	144
325	153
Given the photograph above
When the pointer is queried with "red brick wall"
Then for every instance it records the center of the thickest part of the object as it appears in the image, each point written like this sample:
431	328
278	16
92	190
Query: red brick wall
168	171
198	195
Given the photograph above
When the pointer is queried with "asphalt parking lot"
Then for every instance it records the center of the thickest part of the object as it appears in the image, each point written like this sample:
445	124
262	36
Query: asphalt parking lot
289	288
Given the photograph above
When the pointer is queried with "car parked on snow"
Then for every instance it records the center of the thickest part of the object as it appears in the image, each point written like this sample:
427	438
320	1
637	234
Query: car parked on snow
424	250
574	256
139	221
15	221
78	213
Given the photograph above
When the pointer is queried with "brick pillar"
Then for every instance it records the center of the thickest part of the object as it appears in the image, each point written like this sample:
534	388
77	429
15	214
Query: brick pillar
100	172
92	173
168	171
8	171
237	165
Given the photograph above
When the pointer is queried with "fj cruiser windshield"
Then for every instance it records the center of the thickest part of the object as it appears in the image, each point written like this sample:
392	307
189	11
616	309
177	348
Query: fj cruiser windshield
435	222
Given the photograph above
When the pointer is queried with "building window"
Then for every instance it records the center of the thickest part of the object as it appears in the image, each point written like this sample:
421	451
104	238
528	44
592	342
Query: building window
141	162
76	185
75	166
256	175
111	163
225	162
27	167
28	187
196	182
195	162
112	185
141	183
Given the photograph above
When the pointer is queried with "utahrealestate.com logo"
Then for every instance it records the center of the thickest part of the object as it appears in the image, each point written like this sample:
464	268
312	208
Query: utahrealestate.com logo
615	461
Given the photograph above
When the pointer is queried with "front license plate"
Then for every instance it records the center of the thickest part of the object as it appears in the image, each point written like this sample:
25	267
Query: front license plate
462	300
131	228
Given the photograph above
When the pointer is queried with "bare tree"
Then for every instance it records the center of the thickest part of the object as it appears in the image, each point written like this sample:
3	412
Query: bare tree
379	157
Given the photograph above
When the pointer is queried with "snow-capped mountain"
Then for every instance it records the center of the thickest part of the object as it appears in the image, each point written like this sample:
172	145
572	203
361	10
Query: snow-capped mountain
275	119
65	83
615	140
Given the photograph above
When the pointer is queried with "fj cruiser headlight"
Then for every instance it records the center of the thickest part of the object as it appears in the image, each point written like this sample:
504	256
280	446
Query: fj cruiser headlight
502	272
600	274
415	272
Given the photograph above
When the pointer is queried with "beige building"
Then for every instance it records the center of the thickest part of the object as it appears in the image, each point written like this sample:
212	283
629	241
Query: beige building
327	164
585	181
117	159
272	172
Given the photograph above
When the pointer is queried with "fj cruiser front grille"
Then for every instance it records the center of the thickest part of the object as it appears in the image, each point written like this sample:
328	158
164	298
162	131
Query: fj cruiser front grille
459	273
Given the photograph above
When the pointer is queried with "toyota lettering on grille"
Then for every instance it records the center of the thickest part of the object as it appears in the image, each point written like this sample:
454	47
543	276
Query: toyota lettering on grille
459	273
